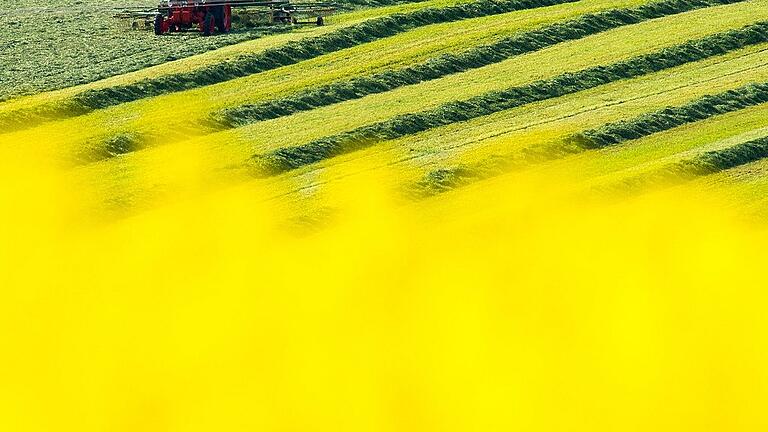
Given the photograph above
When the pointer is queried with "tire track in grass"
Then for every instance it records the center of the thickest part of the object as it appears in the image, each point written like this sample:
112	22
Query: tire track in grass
289	158
504	49
705	107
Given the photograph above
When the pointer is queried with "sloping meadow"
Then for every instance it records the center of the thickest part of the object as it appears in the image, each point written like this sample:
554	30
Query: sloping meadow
49	45
350	32
285	159
452	63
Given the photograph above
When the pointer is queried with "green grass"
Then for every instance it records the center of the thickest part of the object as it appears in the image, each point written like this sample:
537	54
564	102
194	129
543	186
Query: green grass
441	159
232	147
62	48
443	92
73	42
605	48
609	134
745	188
446	64
289	158
654	159
295	52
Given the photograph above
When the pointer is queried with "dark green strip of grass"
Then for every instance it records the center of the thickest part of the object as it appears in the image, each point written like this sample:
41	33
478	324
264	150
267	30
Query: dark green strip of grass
708	106
707	163
110	147
670	117
447	64
288	158
723	159
27	118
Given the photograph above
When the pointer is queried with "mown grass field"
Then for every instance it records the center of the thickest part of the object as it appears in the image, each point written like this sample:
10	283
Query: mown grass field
106	143
436	215
69	42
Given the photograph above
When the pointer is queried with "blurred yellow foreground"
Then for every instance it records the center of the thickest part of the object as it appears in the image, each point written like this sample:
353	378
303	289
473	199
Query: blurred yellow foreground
501	307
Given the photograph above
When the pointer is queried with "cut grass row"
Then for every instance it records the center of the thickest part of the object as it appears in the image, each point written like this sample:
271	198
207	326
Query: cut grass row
476	57
670	117
288	158
709	159
714	161
609	134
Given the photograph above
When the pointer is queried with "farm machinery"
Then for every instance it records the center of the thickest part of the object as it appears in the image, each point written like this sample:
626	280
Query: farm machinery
211	16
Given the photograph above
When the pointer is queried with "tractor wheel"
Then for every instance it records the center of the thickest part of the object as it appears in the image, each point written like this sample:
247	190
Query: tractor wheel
227	18
320	21
208	24
218	13
159	24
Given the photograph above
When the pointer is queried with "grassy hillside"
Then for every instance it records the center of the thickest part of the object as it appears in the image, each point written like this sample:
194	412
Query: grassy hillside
79	41
435	215
447	92
62	43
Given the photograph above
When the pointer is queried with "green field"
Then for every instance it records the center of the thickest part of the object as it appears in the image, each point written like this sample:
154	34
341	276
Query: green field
446	92
422	216
69	42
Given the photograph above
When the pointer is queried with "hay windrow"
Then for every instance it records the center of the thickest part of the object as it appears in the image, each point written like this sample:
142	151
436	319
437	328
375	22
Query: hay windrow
447	64
670	117
110	147
706	163
703	108
289	158
719	160
25	119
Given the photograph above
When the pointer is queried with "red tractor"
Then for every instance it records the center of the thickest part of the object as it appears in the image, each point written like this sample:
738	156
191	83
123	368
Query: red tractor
211	16
177	15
